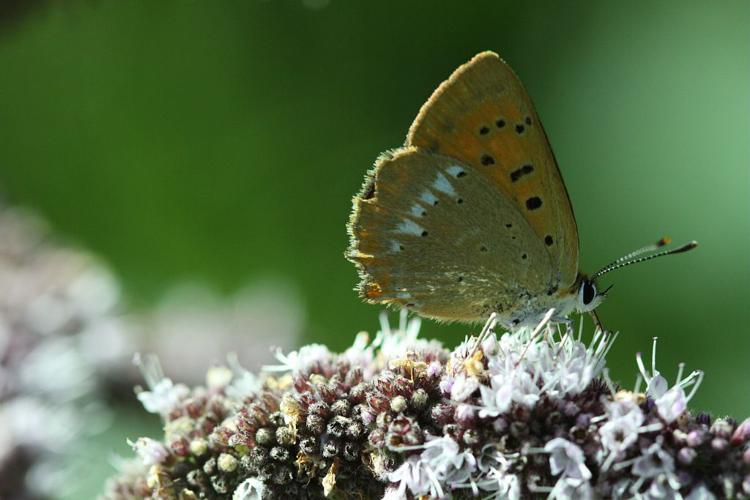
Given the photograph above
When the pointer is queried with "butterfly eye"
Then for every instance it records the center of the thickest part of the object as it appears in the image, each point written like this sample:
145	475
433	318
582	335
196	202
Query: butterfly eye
589	292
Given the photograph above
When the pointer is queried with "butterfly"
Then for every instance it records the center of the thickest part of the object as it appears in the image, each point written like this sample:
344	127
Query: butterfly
471	216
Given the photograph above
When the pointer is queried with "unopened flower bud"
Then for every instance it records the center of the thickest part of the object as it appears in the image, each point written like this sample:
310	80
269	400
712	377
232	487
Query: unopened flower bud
198	446
398	404
226	463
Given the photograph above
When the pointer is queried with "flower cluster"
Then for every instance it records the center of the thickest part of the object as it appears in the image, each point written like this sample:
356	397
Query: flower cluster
58	307
65	338
512	416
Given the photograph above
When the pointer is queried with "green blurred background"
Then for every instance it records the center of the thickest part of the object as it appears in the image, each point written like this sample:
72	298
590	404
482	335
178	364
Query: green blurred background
222	141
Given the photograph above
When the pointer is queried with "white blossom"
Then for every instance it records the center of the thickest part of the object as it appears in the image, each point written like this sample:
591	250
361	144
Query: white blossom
622	425
301	360
700	492
463	387
504	485
163	397
416	477
397	343
361	355
564	490
250	489
152	452
244	383
449	463
670	402
496	398
654	462
567	459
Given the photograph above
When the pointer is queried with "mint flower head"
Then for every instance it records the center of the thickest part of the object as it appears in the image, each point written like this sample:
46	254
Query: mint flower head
58	308
528	414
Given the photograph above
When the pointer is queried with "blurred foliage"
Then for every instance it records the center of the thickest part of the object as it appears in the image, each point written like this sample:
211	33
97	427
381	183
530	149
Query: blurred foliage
222	141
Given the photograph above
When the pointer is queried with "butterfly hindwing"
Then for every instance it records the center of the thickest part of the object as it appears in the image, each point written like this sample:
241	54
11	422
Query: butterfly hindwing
483	117
431	233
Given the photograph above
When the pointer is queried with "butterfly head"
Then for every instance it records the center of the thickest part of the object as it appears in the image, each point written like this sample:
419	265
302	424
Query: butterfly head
589	297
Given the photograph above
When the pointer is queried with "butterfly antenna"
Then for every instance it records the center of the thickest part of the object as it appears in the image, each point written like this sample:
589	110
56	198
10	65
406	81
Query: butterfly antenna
665	240
632	257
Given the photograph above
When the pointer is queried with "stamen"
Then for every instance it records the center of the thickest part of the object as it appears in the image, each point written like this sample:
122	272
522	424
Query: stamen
639	361
536	331
402	320
680	369
696	384
638	381
488	326
384	326
150	368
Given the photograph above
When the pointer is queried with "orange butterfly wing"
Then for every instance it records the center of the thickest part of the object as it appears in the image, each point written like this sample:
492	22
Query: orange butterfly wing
483	117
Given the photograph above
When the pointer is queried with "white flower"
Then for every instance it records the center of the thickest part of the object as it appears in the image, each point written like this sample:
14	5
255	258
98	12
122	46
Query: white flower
654	462
700	492
496	398
528	363
504	485
450	465
526	390
446	384
163	397
670	403
250	489
302	360
244	383
567	459
625	420
413	474
563	490
664	487
440	464
463	387
218	377
151	452
361	355
568	366
400	342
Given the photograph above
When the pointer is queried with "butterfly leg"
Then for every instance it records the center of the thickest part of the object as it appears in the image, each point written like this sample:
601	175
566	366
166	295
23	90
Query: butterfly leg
597	321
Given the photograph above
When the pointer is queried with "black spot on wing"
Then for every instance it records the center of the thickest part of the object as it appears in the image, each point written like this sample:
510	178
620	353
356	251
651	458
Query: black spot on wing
533	203
521	171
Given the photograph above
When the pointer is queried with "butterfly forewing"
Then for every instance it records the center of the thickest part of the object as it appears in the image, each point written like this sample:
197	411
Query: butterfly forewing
431	233
483	117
